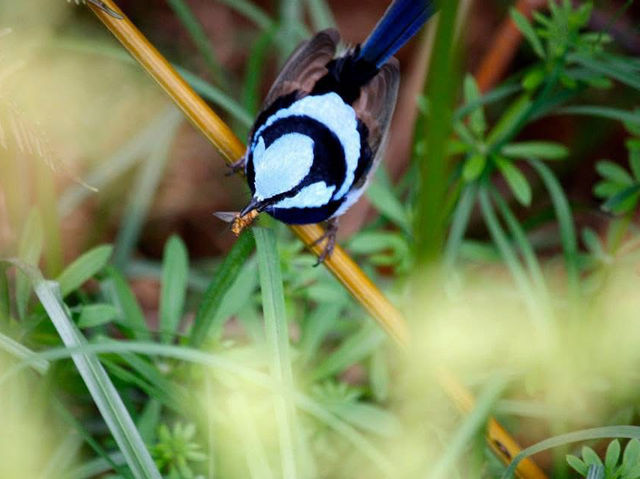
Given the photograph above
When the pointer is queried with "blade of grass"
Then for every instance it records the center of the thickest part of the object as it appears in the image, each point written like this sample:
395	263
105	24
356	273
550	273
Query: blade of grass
224	278
615	114
253	447
520	238
83	269
118	163
440	88
251	11
565	222
253	76
459	224
18	351
101	388
142	193
630	432
321	16
511	260
5	299
47	201
277	334
469	428
353	349
199	38
29	251
131	315
175	268
320	322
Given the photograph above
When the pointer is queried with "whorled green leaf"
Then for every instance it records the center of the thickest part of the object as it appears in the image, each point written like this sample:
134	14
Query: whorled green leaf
577	464
515	179
473	167
528	32
612	455
623	201
477	120
84	268
545	150
175	270
614	173
115	286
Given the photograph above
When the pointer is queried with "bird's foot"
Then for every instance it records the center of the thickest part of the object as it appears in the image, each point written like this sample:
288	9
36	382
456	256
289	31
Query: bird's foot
330	236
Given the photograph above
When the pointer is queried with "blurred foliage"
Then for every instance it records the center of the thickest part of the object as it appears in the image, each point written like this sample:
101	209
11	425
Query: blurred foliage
255	363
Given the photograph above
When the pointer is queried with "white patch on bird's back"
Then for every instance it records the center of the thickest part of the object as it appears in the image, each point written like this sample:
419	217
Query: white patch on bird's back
337	116
283	165
313	196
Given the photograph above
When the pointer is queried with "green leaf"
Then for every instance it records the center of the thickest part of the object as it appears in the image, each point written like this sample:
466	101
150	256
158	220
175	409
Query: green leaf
29	251
367	417
510	120
533	79
611	69
93	315
605	189
477	121
382	197
577	464
473	167
175	270
5	299
277	335
614	173
102	390
355	348
633	145
131	315
623	201
528	32
593	243
590	457
545	150
633	118
223	279
631	456
516	180
612	456
84	268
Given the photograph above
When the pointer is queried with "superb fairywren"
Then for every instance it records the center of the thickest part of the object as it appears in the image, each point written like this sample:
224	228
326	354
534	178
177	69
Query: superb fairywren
318	138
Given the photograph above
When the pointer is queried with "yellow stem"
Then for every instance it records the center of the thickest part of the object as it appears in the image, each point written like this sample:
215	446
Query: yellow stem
339	263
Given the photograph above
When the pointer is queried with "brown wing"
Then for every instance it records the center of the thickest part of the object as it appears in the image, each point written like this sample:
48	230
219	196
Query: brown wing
375	108
305	66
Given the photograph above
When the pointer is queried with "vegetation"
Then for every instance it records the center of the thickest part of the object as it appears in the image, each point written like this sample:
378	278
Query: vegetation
517	276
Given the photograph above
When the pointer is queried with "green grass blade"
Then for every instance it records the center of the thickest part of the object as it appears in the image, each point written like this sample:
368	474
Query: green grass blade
381	195
609	69
5	299
251	89
131	315
354	349
199	37
224	278
615	114
317	325
251	11
469	428
18	351
123	159
521	240
100	387
631	432
83	269
29	251
142	193
511	258
565	222
175	269
321	16
277	335
459	224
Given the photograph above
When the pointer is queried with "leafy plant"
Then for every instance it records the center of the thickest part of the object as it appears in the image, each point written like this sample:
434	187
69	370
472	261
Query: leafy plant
614	466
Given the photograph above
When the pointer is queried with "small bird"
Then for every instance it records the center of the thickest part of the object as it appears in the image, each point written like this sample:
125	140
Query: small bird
320	133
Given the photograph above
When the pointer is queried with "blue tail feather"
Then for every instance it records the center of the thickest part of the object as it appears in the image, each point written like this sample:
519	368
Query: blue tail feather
400	22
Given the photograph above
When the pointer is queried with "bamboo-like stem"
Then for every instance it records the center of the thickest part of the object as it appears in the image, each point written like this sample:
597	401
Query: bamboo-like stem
340	264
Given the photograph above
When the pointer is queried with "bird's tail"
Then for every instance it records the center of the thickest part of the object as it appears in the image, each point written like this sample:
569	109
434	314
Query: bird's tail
400	22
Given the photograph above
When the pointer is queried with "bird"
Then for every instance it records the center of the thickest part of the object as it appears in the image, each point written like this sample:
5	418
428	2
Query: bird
321	130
